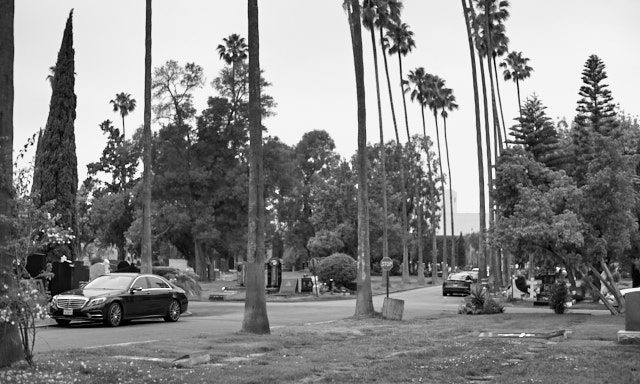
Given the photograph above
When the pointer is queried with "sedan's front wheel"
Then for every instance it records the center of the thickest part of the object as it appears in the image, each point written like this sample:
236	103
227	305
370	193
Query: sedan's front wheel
174	311
114	315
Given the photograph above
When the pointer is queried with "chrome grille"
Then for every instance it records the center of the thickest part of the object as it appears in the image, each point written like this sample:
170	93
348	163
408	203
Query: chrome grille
71	302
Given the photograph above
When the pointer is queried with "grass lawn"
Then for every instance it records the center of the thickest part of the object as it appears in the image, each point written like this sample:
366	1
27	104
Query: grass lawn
446	348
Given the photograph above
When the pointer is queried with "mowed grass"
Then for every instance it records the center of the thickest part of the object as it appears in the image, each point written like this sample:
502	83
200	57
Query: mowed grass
439	349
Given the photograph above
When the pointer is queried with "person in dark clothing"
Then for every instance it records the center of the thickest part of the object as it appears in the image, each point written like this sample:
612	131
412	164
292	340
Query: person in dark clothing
635	272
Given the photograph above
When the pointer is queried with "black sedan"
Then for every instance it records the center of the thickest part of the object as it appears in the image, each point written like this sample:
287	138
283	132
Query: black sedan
119	297
458	283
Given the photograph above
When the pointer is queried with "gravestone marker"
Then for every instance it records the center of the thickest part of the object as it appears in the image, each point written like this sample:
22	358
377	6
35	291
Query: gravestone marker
289	286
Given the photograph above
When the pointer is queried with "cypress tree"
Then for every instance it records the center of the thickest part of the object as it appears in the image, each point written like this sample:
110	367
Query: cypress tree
56	163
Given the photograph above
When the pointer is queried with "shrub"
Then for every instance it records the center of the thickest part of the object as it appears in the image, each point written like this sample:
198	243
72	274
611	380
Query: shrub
481	303
339	267
558	298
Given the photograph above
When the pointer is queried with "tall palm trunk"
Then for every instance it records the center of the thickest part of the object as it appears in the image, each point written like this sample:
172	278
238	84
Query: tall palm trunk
255	305
504	127
445	253
364	299
519	102
453	233
383	155
432	199
497	274
481	262
405	226
145	257
10	344
405	248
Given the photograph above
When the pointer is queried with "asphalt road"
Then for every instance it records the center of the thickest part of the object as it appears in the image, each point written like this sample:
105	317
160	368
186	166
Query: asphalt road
222	317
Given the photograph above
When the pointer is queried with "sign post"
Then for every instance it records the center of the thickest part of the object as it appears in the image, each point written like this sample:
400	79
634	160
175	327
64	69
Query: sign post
386	264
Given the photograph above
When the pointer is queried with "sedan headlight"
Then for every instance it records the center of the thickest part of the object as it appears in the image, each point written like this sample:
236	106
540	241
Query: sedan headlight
95	302
54	301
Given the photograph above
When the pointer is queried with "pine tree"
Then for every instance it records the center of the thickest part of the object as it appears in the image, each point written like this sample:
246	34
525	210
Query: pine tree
537	134
56	162
596	116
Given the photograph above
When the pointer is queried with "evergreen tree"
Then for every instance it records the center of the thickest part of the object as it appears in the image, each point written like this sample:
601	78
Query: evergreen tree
56	163
537	134
596	116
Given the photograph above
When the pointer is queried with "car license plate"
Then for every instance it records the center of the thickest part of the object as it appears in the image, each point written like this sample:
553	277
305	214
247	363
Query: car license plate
67	312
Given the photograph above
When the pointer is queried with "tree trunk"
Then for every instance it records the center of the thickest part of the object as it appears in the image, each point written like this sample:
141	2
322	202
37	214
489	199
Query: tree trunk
445	253
200	260
504	127
145	257
255	308
432	199
482	203
405	213
10	343
405	252
383	154
453	237
364	299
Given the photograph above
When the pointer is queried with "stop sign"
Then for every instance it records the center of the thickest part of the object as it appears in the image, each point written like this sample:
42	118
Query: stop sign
386	263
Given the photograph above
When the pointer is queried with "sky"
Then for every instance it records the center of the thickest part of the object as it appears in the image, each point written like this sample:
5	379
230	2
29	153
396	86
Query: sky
305	52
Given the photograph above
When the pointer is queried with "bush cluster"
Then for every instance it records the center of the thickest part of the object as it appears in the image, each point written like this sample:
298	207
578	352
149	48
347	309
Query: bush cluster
559	295
339	267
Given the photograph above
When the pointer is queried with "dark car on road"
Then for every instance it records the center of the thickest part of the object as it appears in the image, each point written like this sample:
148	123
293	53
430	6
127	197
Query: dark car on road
458	283
119	297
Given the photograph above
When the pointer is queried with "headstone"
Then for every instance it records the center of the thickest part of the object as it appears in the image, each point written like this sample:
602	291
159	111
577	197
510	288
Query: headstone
289	286
96	270
632	312
180	264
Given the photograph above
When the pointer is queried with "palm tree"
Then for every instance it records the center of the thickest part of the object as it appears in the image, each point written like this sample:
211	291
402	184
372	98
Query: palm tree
364	299
145	256
481	262
500	42
369	19
481	48
124	104
233	52
255	306
420	78
516	69
448	101
401	39
434	90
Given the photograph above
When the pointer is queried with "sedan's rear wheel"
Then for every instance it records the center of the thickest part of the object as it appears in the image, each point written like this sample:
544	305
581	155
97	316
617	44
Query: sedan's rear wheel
114	315
174	311
63	322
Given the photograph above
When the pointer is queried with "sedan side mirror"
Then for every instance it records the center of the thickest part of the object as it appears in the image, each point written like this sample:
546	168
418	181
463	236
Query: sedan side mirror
135	289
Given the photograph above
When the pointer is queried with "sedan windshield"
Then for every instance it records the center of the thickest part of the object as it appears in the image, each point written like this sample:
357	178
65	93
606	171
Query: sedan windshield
460	276
110	282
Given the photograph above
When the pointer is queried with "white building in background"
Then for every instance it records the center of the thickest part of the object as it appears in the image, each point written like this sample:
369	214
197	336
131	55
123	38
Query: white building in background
464	223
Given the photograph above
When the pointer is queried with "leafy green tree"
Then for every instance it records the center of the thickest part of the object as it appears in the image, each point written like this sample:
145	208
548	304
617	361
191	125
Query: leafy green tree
124	104
56	162
255	308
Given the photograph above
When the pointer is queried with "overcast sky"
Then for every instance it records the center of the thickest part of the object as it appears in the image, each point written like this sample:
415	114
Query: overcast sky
305	52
